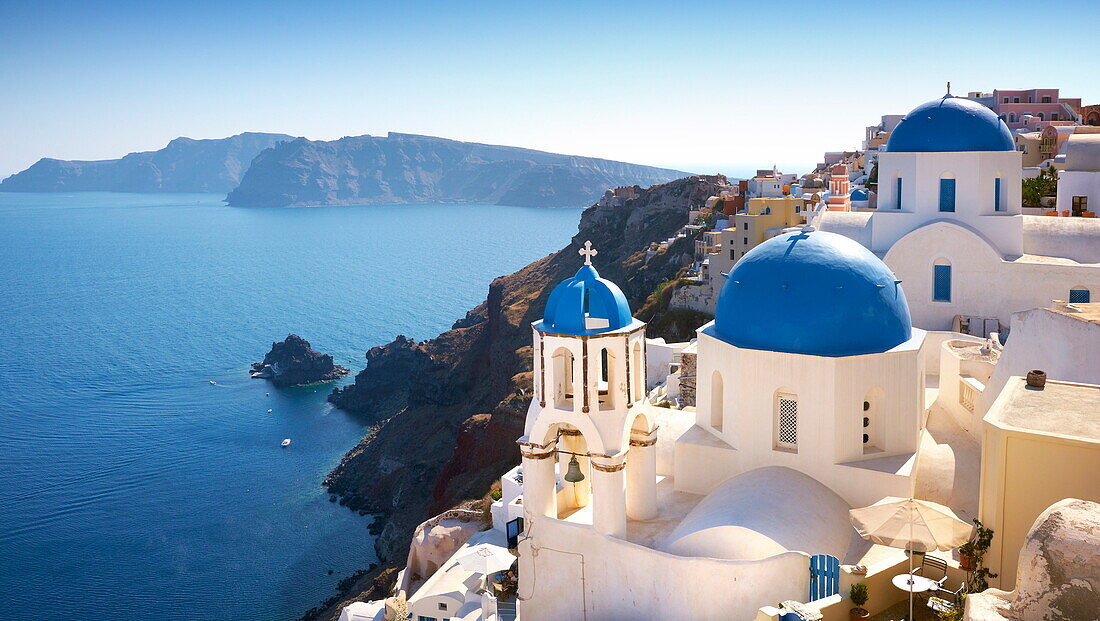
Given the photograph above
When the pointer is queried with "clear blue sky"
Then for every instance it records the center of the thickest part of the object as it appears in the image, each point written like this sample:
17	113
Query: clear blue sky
698	86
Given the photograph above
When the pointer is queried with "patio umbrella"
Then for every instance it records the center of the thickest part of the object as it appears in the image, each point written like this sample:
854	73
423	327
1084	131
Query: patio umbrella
486	558
910	524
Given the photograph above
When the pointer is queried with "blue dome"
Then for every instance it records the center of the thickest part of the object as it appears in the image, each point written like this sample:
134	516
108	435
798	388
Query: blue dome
951	124
586	304
859	194
813	292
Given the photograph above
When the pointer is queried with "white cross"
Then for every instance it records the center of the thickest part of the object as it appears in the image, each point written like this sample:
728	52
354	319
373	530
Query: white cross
587	252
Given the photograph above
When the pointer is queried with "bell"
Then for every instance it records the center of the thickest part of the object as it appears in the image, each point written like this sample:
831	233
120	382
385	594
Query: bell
574	475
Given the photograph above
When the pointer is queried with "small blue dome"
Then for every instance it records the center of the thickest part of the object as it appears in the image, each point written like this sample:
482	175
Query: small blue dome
951	124
859	194
586	304
813	292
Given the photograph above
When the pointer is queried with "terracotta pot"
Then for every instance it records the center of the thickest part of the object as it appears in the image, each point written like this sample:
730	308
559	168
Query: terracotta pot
856	614
967	562
1036	378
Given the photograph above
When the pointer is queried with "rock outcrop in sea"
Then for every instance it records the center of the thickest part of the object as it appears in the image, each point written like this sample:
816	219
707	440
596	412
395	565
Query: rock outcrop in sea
293	362
406	168
447	411
185	165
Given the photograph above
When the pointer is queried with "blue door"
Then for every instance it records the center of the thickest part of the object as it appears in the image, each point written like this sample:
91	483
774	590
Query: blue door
514	528
824	576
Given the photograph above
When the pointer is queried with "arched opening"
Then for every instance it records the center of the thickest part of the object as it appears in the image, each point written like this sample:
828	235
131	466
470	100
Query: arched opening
871	423
786	420
1079	295
606	380
941	280
717	399
563	374
637	363
573	480
641	470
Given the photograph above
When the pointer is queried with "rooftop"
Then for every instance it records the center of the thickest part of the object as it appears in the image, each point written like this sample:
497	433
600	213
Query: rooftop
1060	408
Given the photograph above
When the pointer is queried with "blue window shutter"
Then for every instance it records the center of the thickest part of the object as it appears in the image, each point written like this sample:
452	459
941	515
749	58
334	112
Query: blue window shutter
897	199
947	195
997	194
941	283
1078	296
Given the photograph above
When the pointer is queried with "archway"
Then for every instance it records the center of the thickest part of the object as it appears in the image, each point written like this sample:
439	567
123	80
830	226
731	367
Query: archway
563	375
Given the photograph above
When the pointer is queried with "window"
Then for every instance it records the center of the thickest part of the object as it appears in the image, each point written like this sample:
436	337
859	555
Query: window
563	379
1078	295
1054	116
947	195
1015	100
1046	99
1040	116
786	421
997	194
872	438
1079	205
731	254
717	398
746	241
1012	117
423	618
442	606
897	197
941	282
1006	100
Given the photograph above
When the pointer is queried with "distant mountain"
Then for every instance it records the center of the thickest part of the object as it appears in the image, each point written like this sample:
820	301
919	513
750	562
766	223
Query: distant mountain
406	168
185	165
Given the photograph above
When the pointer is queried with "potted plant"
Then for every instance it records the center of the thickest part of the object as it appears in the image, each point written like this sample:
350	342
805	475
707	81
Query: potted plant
968	558
858	595
971	555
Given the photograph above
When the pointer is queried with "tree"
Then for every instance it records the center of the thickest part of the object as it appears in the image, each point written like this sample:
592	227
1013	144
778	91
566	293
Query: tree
1046	184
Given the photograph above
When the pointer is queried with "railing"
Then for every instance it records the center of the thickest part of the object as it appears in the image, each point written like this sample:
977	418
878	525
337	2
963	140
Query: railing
966	395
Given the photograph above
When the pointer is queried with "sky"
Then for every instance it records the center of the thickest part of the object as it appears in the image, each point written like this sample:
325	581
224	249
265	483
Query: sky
701	87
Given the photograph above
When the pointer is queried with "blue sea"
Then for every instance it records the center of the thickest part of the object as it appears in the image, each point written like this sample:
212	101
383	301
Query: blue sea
133	488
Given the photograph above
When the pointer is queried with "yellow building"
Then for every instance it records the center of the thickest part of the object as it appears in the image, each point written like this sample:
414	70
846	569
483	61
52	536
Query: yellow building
763	219
1039	446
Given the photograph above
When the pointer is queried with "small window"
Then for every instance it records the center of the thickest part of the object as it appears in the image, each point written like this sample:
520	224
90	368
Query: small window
1054	116
941	283
442	606
1015	100
897	197
997	194
1006	100
1078	295
731	254
1046	99
947	195
786	423
746	241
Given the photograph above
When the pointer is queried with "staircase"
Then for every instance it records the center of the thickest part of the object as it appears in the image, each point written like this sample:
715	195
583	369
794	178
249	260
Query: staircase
506	610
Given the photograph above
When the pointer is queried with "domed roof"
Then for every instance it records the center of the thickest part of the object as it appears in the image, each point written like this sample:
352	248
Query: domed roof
859	194
812	292
951	124
737	520
586	304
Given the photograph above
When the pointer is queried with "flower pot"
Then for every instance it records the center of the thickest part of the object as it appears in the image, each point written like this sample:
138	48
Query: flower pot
1036	378
967	562
856	614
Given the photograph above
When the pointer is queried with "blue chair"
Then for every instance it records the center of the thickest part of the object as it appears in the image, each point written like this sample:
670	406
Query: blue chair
791	616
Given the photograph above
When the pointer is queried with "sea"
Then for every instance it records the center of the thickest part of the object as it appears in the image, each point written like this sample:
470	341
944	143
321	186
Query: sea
141	472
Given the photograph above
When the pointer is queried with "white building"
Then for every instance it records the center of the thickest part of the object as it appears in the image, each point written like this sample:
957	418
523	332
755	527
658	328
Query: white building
948	222
1079	183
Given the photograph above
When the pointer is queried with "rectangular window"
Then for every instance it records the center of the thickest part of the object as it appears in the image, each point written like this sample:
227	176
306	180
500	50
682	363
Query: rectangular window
746	241
947	195
941	283
997	194
731	254
1046	99
897	197
1078	296
787	422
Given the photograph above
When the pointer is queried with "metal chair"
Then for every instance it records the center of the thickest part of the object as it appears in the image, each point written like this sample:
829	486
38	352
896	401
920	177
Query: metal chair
933	569
945	600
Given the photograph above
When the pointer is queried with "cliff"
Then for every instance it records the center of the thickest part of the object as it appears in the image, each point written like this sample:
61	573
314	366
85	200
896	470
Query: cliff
406	168
293	362
449	410
185	165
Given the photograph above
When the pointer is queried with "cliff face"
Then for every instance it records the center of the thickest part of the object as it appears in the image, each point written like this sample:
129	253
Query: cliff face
185	165
405	168
293	362
450	409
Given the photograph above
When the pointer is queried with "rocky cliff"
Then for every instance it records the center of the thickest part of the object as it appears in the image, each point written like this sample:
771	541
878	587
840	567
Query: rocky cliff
293	362
449	410
405	168
185	165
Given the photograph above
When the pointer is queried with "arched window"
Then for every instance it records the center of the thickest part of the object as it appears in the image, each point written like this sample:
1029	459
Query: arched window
1012	117
1079	295
786	421
947	192
563	379
717	399
606	382
941	280
1041	116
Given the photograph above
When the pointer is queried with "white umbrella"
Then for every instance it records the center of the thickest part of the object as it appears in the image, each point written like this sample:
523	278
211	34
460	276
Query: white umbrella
914	525
486	558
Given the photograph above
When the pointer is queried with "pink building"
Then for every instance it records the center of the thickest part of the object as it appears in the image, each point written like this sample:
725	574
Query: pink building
1041	103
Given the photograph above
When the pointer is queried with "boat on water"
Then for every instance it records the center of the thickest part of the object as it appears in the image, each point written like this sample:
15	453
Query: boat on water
213	383
286	442
269	410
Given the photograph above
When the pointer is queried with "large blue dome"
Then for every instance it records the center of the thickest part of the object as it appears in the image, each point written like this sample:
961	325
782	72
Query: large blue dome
951	124
586	304
813	292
